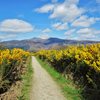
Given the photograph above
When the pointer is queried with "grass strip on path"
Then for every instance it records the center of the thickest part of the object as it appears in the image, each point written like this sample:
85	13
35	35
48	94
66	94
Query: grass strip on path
27	84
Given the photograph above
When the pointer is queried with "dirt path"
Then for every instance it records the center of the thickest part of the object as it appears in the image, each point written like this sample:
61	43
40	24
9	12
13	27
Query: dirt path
44	87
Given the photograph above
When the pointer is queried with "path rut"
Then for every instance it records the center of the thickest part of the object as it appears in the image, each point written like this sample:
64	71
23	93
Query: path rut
44	87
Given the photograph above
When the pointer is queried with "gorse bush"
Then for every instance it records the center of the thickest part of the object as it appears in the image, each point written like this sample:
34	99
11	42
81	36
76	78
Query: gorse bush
11	65
80	63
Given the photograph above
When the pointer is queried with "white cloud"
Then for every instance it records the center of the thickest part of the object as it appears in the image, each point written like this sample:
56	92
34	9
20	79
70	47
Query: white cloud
69	32
66	11
88	36
45	9
44	36
83	34
15	26
92	37
88	31
7	36
85	21
84	37
47	30
60	26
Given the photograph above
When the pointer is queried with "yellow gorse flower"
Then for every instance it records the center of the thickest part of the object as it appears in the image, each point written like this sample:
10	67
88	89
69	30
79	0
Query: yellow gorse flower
89	54
13	55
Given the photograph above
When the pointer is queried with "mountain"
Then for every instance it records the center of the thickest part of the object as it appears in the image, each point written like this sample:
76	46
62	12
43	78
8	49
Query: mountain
35	44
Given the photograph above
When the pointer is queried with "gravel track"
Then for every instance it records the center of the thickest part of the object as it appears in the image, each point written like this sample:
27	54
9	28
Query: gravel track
44	87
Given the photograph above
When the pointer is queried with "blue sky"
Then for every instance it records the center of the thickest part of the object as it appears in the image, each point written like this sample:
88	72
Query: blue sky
68	19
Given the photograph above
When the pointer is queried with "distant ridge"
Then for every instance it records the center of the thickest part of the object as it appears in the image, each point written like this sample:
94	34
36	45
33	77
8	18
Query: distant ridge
35	44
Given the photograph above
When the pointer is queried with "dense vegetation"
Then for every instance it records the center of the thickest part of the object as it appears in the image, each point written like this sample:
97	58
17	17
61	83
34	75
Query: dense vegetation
79	63
2	47
12	65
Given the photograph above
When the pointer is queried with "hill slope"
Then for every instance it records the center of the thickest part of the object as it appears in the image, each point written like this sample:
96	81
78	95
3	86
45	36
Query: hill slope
38	43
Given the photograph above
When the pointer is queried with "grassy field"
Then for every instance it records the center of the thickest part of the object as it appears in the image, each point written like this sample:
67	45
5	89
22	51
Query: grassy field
68	88
26	85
